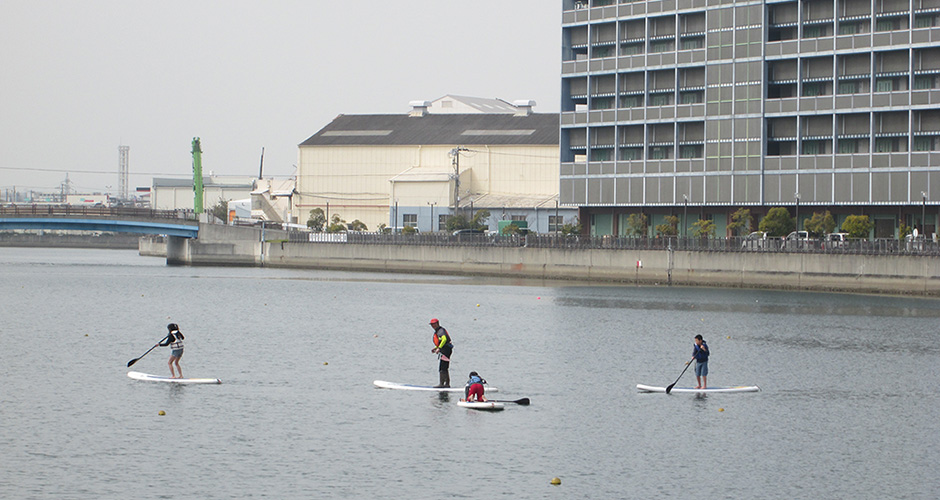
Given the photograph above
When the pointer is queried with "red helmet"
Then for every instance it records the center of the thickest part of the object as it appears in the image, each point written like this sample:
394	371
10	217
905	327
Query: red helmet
433	321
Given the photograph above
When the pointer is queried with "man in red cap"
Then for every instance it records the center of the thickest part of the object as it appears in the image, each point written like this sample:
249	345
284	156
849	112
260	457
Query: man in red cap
443	347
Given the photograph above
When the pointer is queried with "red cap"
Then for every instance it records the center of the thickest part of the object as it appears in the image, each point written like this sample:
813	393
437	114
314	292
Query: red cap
433	321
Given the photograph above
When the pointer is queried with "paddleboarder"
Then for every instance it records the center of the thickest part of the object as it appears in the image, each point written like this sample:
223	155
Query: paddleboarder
474	389
443	347
174	339
700	353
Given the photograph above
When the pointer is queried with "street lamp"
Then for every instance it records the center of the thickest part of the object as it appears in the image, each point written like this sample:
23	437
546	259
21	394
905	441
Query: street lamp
685	213
797	196
923	214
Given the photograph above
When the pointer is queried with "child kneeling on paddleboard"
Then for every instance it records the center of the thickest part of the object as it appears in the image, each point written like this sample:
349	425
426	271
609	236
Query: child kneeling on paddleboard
474	388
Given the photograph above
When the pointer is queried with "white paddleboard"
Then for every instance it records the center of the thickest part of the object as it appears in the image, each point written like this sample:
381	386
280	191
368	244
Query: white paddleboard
481	405
740	388
382	384
146	377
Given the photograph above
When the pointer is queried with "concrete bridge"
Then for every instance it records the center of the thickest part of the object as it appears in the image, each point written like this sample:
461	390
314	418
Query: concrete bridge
113	219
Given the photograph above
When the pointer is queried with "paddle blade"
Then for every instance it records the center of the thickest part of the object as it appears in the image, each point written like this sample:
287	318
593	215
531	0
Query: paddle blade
669	388
523	401
131	362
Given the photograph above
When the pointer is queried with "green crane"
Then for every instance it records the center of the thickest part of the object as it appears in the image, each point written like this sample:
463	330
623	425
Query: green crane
197	177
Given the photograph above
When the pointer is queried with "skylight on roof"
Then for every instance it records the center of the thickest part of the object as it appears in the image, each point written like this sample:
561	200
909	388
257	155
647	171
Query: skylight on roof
355	133
499	132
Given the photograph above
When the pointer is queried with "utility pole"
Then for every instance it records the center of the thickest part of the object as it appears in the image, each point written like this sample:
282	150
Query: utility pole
123	168
432	203
455	153
197	177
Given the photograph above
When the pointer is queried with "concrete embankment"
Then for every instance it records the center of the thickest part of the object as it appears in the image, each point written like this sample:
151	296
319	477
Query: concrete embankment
47	239
895	274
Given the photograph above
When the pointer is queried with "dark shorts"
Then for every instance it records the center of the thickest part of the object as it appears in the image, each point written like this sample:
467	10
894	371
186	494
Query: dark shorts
176	353
446	351
701	368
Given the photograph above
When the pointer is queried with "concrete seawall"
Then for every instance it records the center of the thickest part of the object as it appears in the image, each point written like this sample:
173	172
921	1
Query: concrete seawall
227	245
853	273
57	240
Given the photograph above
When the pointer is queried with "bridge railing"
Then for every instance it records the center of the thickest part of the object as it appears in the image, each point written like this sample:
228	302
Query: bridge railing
92	211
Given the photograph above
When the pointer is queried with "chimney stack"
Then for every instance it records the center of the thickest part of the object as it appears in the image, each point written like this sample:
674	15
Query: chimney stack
419	108
523	107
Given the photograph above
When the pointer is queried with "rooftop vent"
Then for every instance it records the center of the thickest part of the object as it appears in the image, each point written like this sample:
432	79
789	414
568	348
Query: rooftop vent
523	107
419	108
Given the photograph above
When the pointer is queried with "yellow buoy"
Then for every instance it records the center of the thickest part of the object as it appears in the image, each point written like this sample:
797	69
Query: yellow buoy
721	409
478	305
325	363
86	334
161	412
556	481
728	337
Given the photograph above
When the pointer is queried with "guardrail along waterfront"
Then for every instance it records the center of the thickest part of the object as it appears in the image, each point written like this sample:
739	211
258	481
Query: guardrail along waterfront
877	246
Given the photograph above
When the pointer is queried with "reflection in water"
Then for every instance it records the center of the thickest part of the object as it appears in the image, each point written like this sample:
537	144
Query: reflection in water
806	304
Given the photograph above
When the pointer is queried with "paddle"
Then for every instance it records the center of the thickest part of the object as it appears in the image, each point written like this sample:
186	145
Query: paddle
669	388
523	401
131	362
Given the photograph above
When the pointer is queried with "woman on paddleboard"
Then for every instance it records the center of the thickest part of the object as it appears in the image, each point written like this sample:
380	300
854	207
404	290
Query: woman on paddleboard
474	389
700	353
443	347
174	339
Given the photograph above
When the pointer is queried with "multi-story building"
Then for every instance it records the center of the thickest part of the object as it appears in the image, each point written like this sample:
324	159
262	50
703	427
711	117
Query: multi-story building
701	107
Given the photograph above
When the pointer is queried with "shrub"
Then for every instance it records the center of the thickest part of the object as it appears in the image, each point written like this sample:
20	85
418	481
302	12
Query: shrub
777	222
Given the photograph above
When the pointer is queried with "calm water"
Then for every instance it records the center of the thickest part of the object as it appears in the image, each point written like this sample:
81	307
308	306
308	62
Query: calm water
849	407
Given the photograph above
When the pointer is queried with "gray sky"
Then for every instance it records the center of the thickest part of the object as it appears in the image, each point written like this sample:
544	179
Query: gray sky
79	79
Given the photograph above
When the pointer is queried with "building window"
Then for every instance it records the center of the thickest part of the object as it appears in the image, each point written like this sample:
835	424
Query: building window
633	153
848	146
887	145
927	21
660	46
812	89
602	102
554	223
848	87
442	222
631	101
601	155
690	151
887	25
659	153
923	143
691	96
813	31
659	99
602	52
849	28
922	82
812	147
517	217
887	84
629	49
693	43
409	220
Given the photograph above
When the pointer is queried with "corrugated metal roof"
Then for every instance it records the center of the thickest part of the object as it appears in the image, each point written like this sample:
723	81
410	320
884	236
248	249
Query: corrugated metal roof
540	129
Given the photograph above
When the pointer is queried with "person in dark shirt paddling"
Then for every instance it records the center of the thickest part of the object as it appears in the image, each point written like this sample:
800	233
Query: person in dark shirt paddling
700	353
174	339
443	347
